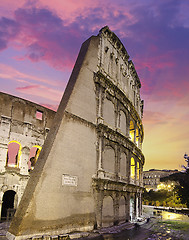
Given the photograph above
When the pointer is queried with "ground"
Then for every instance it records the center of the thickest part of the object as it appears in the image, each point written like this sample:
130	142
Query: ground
155	229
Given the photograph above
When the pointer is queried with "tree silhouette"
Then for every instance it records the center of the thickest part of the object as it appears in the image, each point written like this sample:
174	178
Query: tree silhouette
182	185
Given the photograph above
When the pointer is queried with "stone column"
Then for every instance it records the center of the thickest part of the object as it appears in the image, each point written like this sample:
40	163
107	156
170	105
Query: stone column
3	156
128	167
24	161
100	104
127	207
98	196
117	160
1	202
134	132
135	206
140	204
100	153
127	124
116	209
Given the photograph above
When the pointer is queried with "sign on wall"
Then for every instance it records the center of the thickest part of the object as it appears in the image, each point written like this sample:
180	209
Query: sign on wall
69	180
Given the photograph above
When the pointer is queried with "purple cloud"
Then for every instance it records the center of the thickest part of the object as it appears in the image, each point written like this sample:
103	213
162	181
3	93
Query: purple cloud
9	29
154	36
159	48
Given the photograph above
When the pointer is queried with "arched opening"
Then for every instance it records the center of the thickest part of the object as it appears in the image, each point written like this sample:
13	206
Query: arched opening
107	212
123	161
132	175
13	154
8	210
132	131
122	213
137	138
109	113
138	170
109	159
123	122
34	154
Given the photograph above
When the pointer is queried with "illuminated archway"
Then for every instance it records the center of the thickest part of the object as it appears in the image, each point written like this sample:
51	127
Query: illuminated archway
137	138
132	168
34	154
138	170
13	154
132	131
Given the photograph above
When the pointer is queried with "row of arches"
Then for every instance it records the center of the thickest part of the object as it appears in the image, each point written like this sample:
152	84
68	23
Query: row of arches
121	164
123	121
121	210
108	218
14	155
122	72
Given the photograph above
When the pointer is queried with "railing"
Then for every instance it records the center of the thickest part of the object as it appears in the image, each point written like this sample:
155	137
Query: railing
110	176
132	181
123	179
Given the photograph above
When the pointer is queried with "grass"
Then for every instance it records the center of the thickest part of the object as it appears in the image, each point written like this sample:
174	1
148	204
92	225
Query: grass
175	225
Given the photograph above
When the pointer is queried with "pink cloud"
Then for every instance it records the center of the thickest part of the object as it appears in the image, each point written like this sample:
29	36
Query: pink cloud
8	72
53	32
154	118
50	106
156	62
27	87
42	92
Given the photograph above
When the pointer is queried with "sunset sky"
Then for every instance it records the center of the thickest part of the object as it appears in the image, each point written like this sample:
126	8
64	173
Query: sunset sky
40	40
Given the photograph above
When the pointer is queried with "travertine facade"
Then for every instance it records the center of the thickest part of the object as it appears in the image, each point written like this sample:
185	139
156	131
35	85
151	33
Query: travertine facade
21	129
89	173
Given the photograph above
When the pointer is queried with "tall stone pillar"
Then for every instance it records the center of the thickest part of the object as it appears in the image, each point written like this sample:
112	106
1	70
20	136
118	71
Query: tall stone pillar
116	209
98	196
137	205
24	161
127	207
3	157
140	204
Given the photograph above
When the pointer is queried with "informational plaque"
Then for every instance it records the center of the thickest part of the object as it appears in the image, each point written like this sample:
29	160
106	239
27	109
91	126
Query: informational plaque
69	180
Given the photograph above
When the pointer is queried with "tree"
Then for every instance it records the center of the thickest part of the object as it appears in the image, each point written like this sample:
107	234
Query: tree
182	186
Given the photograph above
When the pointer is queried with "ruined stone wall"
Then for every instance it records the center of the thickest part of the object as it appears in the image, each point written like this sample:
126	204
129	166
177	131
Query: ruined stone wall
25	124
118	181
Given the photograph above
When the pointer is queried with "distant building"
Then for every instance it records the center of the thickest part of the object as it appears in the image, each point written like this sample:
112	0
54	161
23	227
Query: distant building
151	178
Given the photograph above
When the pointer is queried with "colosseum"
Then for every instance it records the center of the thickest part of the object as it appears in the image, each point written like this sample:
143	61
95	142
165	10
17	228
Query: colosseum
89	172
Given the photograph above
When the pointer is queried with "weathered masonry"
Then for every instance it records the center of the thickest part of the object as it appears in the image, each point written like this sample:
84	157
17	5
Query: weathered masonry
89	172
23	129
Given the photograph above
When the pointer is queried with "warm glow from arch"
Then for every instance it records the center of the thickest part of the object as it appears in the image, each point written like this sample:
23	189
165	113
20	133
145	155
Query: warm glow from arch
132	168
132	131
13	154
138	170
34	154
137	138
